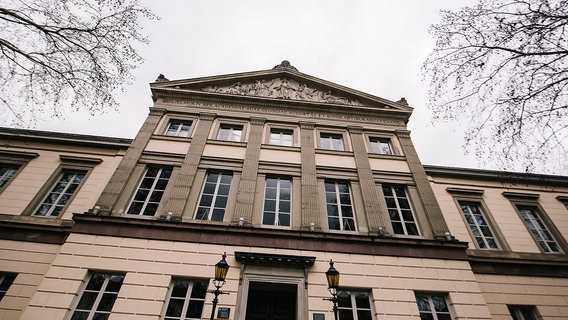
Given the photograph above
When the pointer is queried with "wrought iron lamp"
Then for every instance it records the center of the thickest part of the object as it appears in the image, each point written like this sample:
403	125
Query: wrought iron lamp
221	269
332	276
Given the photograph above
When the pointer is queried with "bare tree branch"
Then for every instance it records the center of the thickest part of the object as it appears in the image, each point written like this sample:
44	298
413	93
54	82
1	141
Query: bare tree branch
503	65
63	56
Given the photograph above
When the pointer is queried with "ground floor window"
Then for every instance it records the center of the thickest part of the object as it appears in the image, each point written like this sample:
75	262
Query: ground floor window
98	297
6	280
354	305
523	312
432	307
186	299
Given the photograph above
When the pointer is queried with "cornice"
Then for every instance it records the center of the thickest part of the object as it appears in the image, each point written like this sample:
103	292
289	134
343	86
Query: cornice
294	108
269	238
497	176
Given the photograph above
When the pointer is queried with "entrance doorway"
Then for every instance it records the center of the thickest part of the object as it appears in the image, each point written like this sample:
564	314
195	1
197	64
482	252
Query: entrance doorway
271	301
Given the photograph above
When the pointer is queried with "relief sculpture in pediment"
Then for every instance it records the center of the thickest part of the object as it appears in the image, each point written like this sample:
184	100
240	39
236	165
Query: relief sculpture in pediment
282	88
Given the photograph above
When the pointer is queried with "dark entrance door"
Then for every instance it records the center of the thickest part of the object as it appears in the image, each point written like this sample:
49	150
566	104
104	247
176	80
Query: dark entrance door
271	301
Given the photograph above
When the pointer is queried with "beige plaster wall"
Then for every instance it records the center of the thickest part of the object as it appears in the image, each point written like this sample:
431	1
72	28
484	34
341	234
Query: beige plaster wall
149	265
503	212
174	147
389	165
272	155
31	261
549	295
224	151
34	175
338	161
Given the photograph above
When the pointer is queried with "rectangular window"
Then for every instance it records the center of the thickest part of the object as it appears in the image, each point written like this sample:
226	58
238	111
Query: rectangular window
60	194
6	280
356	306
400	212
98	297
538	229
186	299
380	145
477	222
432	307
281	137
214	196
277	196
523	312
339	208
150	191
230	132
178	128
331	141
6	173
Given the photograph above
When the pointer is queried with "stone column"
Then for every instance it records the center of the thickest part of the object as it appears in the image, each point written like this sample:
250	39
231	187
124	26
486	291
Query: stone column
184	180
433	211
371	200
114	188
247	184
310	195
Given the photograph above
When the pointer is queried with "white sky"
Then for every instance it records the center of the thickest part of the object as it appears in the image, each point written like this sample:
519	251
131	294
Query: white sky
375	46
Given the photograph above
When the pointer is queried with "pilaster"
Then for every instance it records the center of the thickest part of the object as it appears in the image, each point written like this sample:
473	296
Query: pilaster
114	188
247	183
186	175
433	211
371	201
310	196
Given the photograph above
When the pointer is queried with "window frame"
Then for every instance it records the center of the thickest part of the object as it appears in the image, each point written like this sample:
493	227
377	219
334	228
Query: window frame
6	281
550	228
100	293
211	206
413	211
233	124
17	159
516	312
432	310
372	143
186	299
353	303
150	191
178	132
68	163
277	202
269	140
353	217
51	191
332	133
488	221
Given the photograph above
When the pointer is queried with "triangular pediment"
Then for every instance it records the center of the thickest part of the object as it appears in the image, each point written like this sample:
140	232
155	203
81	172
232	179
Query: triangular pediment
280	83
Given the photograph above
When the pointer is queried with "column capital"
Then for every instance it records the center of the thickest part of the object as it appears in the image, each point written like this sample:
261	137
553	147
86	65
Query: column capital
355	129
307	125
207	116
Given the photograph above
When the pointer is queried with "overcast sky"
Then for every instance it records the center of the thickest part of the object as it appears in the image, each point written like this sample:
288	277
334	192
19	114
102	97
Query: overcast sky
375	46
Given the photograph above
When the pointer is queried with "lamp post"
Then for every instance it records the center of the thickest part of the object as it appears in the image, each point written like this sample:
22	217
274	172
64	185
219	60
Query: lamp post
221	269
332	276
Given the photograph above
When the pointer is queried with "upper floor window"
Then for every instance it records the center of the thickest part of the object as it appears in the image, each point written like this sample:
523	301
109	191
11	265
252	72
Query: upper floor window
432	307
380	145
214	196
6	280
523	312
6	173
356	306
186	299
150	191
98	297
400	212
60	194
277	196
339	206
539	229
230	132
331	141
281	137
178	128
478	225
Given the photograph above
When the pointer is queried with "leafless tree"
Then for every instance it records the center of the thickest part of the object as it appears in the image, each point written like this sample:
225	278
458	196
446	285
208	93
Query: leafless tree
503	66
58	56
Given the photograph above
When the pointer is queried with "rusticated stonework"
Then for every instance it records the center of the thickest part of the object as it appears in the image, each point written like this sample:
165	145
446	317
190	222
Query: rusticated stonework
282	88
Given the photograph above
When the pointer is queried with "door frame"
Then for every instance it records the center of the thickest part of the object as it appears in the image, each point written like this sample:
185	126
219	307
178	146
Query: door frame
272	275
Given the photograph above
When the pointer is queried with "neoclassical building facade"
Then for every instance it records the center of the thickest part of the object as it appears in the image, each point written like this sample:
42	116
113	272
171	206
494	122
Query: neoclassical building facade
284	172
